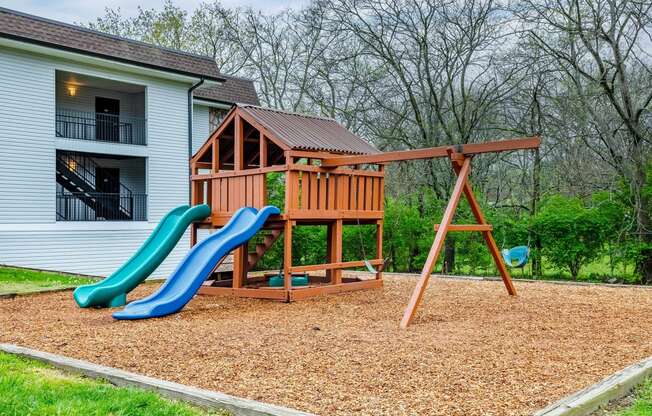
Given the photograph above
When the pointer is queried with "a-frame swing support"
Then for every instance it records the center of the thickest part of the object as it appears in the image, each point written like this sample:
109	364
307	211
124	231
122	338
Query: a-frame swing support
462	167
460	157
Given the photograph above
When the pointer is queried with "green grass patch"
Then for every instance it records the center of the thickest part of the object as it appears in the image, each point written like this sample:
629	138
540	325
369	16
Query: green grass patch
642	405
14	280
29	387
599	271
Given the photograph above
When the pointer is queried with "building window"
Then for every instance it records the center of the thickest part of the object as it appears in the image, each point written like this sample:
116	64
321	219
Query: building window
215	117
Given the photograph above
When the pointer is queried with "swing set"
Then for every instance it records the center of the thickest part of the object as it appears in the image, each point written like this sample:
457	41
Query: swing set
332	178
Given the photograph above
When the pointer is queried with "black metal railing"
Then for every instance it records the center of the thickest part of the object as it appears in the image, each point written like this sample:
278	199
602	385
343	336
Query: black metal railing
100	127
84	167
97	206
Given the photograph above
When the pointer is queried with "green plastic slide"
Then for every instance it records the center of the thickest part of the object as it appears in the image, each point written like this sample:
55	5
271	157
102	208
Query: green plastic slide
112	291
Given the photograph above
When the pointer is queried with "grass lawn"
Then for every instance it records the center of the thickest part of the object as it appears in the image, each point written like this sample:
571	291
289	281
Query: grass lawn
642	405
29	387
598	271
24	281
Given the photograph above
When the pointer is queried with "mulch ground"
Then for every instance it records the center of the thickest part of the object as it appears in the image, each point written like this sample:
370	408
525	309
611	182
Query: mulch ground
472	351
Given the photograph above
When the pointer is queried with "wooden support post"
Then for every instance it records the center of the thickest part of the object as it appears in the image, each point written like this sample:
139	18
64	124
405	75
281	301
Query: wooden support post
334	253
193	192
216	156
193	235
287	257
437	245
238	145
240	257
379	247
262	153
329	250
488	236
336	250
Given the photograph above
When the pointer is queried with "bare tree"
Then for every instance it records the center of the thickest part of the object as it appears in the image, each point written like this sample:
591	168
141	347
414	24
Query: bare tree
438	77
600	46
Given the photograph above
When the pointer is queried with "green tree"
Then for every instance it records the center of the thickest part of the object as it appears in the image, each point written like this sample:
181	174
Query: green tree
572	235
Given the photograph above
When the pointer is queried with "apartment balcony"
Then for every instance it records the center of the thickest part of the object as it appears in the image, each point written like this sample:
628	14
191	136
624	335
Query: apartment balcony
98	109
92	187
101	127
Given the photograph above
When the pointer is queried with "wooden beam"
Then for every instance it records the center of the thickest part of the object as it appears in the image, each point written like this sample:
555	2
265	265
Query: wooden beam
245	292
238	144
379	246
233	173
215	135
437	245
435	152
240	256
262	153
216	156
334	266
336	253
313	155
467	227
342	171
308	292
287	255
193	235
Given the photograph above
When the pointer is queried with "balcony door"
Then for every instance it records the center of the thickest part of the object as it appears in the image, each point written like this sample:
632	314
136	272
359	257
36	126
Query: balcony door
107	183
107	119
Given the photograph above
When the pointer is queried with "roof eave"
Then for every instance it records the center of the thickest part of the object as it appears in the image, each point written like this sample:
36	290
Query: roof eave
210	101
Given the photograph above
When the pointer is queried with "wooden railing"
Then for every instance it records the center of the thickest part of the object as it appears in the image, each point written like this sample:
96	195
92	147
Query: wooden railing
226	192
311	191
315	191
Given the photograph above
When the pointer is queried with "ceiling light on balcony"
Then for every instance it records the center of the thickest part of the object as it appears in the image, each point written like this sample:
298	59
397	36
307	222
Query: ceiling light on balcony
72	90
72	164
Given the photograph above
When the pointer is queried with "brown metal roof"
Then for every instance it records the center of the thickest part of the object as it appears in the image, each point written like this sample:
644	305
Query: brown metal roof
234	90
46	32
306	132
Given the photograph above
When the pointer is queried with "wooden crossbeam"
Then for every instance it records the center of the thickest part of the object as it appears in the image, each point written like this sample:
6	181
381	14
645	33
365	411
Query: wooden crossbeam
467	227
333	266
435	152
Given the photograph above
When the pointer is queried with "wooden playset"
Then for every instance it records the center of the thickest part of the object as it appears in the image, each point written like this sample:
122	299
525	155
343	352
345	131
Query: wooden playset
331	178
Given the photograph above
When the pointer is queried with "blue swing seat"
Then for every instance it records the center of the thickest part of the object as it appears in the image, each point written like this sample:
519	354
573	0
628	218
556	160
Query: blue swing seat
517	256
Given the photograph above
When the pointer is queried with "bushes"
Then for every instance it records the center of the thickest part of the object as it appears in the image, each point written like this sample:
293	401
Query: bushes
572	235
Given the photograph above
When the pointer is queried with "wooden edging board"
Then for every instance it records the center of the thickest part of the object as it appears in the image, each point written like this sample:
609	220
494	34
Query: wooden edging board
614	387
199	397
12	295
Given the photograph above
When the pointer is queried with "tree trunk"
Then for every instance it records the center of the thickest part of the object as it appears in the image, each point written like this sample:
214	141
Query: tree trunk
414	252
644	223
574	269
449	254
536	198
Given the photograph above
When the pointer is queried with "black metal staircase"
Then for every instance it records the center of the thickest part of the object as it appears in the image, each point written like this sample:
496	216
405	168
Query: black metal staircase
75	174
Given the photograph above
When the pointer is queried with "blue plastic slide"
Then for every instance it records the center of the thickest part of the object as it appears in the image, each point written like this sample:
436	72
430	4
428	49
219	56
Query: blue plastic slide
197	266
112	291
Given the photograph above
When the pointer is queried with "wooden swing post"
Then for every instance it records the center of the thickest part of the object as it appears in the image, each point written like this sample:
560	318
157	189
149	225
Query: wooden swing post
460	157
462	167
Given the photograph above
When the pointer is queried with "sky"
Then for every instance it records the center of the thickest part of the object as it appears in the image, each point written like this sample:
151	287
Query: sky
71	11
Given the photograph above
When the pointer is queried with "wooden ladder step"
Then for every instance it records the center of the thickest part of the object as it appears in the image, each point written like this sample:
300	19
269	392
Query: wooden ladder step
261	248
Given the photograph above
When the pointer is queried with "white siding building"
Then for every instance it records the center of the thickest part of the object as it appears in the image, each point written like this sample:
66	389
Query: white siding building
94	142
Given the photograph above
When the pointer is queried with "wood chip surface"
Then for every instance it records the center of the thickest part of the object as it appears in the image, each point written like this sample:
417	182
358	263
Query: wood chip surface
473	350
